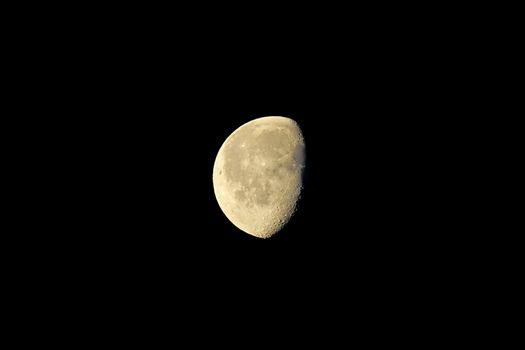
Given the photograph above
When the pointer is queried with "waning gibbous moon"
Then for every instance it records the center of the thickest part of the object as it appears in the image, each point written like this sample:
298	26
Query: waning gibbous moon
258	175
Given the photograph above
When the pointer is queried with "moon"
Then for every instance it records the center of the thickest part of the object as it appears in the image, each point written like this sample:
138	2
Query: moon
258	175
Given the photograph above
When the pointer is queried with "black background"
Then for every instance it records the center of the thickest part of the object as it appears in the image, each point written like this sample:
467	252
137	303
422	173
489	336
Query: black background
135	115
140	199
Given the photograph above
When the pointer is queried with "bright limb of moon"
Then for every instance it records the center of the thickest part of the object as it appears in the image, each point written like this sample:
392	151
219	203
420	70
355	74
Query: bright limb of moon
257	175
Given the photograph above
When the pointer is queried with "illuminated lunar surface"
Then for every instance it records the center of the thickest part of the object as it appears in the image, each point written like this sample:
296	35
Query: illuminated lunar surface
257	175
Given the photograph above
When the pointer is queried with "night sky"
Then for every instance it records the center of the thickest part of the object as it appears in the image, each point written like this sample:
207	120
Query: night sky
136	128
145	171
